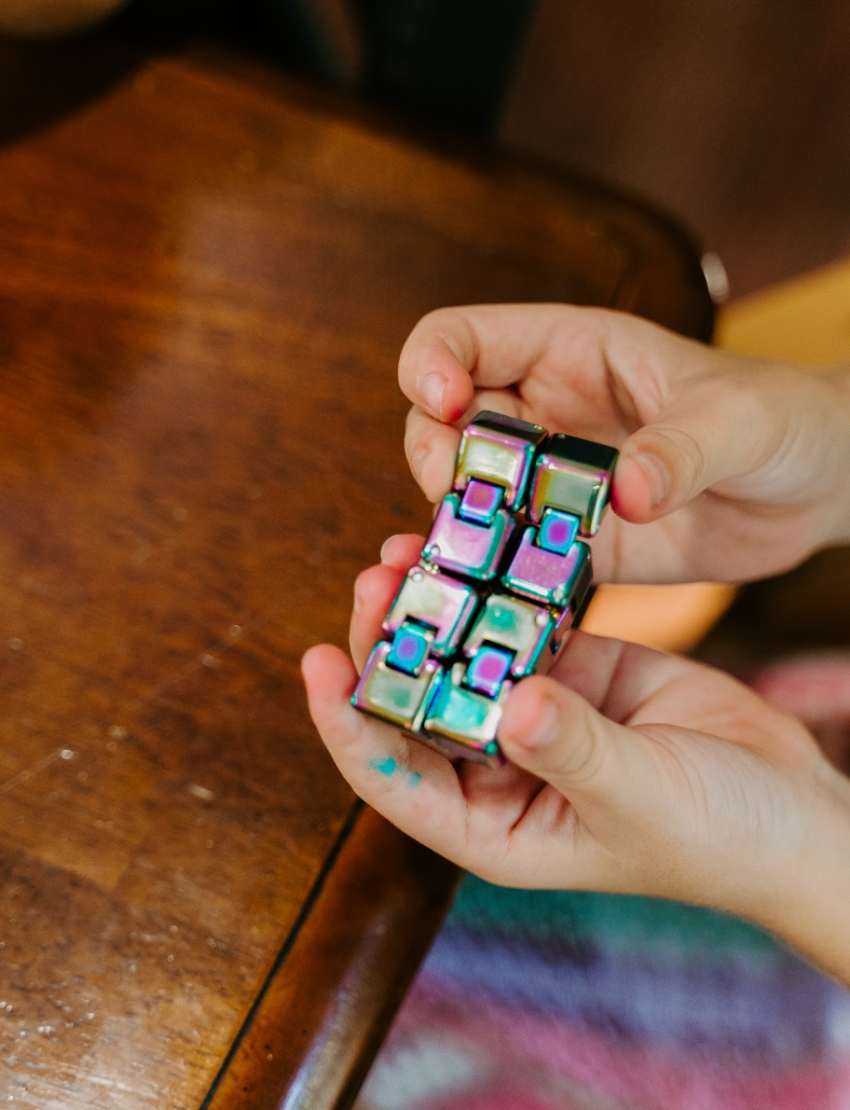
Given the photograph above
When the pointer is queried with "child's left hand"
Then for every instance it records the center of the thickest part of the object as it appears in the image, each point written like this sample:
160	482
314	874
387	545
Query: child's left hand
629	771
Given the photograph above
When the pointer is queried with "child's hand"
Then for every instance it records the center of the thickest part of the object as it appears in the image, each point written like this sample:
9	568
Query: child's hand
763	448
630	771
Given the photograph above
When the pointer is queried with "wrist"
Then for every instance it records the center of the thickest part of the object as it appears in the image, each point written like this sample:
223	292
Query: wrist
810	907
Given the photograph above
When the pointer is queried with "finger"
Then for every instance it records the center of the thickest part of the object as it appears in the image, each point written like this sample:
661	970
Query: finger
633	685
412	786
715	428
374	591
492	345
597	764
436	364
462	813
431	447
402	551
614	676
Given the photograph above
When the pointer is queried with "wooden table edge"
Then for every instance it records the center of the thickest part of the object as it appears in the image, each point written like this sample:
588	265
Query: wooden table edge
342	972
693	314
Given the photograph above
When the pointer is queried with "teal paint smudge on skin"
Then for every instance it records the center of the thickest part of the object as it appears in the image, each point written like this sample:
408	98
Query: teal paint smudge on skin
386	766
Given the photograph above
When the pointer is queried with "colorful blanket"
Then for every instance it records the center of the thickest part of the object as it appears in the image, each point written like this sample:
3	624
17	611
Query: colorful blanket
577	1001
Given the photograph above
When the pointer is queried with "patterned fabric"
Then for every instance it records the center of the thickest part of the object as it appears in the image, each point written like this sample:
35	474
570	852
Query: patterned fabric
576	1001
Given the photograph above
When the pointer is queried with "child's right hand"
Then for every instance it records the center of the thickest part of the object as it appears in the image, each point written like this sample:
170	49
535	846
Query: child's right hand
630	771
735	468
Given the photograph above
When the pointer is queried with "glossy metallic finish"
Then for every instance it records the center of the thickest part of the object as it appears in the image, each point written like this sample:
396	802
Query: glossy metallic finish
515	624
500	450
397	697
572	475
473	550
557	531
437	600
488	669
481	501
546	576
481	610
409	648
459	713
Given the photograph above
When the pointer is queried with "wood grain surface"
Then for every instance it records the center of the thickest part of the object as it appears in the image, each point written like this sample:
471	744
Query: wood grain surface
205	279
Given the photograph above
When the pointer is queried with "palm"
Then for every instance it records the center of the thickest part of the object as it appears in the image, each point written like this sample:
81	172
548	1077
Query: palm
709	746
706	764
710	751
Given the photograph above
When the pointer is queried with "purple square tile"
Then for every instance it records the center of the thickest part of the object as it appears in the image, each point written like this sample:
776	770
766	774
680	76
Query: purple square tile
547	576
487	670
481	501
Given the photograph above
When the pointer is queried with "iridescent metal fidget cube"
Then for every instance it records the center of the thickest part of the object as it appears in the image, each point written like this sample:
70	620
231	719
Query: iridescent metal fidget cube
502	577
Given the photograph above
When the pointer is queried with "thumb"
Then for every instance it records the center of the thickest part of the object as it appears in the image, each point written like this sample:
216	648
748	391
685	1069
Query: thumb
718	428
551	731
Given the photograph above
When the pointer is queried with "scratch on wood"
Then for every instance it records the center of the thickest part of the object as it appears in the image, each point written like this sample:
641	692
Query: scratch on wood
28	772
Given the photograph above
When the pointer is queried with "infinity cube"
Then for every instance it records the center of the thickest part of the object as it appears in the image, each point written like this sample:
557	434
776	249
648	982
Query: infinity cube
487	670
409	647
512	623
394	695
548	576
493	596
501	450
466	717
436	600
557	531
465	547
480	502
573	475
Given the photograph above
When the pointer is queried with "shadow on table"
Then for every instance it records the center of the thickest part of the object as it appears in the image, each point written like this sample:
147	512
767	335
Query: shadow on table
46	81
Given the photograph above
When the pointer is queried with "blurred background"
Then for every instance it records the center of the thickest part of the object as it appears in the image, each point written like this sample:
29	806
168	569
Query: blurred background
733	114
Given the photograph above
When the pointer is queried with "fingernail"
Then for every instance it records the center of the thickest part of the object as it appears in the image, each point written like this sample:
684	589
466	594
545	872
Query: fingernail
386	544
541	730
545	728
657	474
358	604
433	387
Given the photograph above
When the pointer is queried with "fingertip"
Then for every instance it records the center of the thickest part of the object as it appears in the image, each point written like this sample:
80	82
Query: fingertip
632	496
375	587
431	448
362	590
431	389
530	718
431	371
402	551
457	397
436	470
327	672
374	591
330	679
309	661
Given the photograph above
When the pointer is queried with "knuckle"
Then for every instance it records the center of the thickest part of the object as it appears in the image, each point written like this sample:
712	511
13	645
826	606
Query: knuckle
436	317
583	760
691	459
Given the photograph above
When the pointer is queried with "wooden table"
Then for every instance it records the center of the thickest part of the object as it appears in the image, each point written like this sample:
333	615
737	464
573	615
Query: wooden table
205	278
